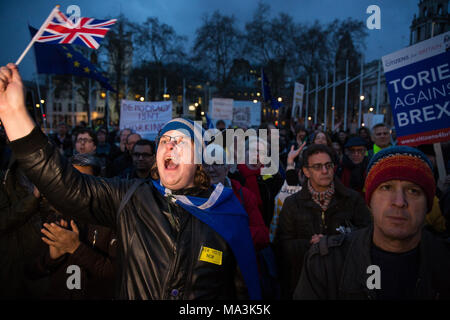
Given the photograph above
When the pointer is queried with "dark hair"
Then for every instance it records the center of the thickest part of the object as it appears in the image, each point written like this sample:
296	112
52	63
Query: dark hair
315	149
299	128
145	142
220	122
87	160
326	137
89	132
367	130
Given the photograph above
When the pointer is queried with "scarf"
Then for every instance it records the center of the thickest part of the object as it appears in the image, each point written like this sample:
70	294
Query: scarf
223	212
322	198
251	181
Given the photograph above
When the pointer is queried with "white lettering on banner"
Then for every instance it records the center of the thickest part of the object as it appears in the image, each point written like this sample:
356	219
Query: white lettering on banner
427	113
410	81
430	94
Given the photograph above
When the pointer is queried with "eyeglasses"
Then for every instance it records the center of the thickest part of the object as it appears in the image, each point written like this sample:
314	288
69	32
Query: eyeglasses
319	166
179	140
144	155
84	140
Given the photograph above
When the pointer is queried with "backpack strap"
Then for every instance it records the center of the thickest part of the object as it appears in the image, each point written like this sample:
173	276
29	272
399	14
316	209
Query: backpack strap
129	194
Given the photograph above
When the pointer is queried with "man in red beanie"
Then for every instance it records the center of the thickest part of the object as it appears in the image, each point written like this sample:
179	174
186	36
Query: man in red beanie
393	259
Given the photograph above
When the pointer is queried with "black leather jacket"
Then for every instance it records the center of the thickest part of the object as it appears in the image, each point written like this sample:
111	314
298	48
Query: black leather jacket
159	246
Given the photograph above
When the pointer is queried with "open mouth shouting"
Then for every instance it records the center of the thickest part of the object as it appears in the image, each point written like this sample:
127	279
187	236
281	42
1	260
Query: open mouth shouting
171	162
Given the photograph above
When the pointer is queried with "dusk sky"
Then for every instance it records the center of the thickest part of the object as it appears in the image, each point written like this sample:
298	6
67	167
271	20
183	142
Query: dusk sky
185	16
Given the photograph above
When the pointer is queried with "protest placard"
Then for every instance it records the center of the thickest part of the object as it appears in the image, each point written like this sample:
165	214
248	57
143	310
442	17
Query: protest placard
418	80
145	118
297	101
222	109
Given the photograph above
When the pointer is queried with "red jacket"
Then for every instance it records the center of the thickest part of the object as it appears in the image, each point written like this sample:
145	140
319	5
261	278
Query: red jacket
258	230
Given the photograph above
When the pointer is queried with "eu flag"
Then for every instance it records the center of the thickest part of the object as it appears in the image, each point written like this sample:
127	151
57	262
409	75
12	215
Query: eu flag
267	96
63	59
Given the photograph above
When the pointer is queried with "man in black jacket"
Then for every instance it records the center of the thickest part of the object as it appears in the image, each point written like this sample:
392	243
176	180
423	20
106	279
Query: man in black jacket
178	239
394	259
323	207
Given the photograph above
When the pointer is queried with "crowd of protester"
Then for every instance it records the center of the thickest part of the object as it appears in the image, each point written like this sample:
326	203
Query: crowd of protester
98	202
38	268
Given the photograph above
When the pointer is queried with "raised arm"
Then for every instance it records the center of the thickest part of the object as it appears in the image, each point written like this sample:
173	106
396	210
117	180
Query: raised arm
88	198
13	112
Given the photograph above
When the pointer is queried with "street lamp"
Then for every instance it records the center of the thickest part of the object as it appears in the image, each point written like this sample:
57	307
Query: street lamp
42	101
370	109
280	99
142	99
255	101
362	98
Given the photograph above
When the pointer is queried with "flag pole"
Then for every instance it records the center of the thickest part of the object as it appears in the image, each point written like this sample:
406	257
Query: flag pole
38	34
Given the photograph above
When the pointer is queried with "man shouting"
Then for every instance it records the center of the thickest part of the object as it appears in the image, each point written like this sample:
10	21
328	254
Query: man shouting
179	239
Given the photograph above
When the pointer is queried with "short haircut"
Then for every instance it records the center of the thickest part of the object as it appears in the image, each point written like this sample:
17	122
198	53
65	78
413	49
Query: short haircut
88	131
132	134
145	142
87	160
379	125
315	149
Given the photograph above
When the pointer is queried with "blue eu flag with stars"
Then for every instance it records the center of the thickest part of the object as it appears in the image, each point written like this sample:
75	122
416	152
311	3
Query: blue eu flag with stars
64	59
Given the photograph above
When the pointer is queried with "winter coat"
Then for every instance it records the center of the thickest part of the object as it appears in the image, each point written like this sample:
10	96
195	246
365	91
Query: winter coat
258	230
20	240
301	218
337	268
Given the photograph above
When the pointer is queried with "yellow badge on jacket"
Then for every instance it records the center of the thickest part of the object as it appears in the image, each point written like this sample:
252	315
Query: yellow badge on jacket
210	255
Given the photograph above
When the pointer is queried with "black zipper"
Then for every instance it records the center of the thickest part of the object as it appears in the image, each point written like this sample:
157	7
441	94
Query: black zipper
174	262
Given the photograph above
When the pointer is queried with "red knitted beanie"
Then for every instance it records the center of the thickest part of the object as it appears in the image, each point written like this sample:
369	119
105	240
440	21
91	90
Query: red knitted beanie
400	163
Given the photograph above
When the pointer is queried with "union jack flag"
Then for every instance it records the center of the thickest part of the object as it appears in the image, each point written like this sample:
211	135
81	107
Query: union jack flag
86	31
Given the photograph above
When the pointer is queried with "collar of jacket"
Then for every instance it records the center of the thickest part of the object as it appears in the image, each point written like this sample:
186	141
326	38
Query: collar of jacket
354	273
339	190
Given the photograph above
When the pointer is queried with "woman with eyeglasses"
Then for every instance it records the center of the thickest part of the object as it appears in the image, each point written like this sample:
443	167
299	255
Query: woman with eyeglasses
322	207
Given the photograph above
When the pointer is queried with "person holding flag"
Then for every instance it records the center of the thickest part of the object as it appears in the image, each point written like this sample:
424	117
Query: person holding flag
58	29
179	239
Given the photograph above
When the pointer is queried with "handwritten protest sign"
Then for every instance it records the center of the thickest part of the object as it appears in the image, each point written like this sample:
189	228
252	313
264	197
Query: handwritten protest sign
145	118
222	109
